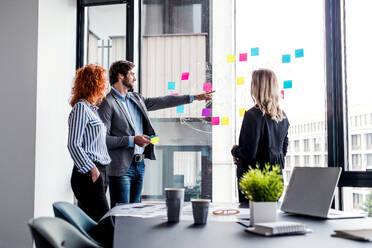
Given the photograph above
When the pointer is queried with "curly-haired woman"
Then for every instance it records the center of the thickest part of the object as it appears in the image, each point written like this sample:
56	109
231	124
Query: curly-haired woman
86	141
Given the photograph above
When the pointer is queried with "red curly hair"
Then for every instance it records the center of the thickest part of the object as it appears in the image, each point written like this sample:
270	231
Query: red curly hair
90	84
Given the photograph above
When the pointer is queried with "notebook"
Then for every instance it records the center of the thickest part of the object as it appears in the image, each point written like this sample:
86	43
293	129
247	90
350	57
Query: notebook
278	228
357	234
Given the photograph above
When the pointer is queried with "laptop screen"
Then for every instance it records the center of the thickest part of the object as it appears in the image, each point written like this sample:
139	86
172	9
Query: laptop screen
310	190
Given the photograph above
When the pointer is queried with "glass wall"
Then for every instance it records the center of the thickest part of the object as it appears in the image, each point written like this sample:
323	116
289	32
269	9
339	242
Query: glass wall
291	42
187	47
174	60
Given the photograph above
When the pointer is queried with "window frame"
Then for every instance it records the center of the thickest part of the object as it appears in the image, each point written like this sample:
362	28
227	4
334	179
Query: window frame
337	111
80	27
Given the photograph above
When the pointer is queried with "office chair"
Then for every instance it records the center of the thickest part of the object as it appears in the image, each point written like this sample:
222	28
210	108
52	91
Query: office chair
78	218
51	232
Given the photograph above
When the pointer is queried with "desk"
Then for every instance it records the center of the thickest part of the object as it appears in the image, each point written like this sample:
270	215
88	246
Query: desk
157	233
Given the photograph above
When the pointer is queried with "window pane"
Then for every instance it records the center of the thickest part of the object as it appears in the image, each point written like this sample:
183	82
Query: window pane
301	78
185	144
357	52
172	17
106	33
357	200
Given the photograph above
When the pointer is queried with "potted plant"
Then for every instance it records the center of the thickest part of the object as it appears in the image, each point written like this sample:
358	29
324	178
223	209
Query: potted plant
263	188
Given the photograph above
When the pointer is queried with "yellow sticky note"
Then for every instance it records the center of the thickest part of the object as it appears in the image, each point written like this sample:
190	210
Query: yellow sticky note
230	58
240	80
225	121
242	111
154	140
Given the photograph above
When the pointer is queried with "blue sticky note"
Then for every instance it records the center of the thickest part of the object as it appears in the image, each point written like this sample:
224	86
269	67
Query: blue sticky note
180	109
286	58
171	85
287	84
299	53
255	51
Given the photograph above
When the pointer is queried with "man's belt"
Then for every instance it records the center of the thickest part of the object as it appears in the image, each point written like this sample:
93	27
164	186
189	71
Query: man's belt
138	158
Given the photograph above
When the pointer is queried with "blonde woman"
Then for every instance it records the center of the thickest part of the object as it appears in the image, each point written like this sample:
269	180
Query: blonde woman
263	135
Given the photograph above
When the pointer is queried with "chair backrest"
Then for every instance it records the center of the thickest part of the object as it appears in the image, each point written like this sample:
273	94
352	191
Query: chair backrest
51	232
76	217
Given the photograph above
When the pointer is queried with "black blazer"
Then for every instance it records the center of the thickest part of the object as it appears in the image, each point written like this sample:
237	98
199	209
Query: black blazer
261	140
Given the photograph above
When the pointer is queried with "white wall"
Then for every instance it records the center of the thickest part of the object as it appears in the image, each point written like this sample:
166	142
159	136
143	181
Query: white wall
56	68
37	59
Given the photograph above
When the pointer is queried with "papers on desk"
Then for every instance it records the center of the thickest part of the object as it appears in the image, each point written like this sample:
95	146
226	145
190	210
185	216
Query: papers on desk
141	210
150	210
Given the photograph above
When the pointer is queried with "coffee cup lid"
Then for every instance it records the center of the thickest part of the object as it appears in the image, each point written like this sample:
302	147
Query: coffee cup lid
175	189
200	200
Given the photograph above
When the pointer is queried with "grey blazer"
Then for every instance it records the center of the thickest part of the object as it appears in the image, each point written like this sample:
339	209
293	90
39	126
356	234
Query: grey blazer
119	127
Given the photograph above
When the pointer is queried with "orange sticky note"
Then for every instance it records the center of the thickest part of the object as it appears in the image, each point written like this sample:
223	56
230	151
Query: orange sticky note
240	80
230	58
242	111
225	121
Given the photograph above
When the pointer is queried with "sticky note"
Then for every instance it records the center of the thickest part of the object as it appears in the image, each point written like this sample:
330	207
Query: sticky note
207	86
282	94
299	53
240	80
230	58
286	58
180	109
154	139
243	57
242	111
171	85
215	121
255	51
206	112
175	94
185	76
287	84
225	121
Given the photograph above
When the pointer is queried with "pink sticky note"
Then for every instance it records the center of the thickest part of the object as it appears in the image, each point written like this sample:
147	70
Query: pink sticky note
282	94
175	94
207	86
185	76
243	57
206	112
215	121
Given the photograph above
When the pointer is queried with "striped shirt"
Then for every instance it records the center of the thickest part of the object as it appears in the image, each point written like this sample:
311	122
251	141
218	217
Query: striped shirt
86	137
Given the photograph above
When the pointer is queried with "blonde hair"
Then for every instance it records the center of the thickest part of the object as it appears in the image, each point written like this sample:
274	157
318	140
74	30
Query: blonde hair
265	93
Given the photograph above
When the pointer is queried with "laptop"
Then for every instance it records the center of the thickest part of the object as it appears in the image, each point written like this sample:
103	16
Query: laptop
310	192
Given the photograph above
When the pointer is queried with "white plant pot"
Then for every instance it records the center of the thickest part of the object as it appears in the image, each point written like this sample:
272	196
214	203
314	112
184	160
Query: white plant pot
263	212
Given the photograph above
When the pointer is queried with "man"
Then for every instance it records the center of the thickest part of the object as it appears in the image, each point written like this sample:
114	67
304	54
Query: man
128	129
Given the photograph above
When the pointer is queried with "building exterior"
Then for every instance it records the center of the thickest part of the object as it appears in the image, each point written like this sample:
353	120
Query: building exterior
308	148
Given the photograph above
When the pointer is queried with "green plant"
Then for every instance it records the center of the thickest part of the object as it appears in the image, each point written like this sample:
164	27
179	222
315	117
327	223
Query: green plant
264	185
367	206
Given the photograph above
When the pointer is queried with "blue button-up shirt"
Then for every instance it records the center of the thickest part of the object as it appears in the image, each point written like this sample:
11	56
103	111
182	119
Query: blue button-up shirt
135	117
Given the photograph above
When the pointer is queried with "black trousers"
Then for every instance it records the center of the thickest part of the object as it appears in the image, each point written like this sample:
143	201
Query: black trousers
92	200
